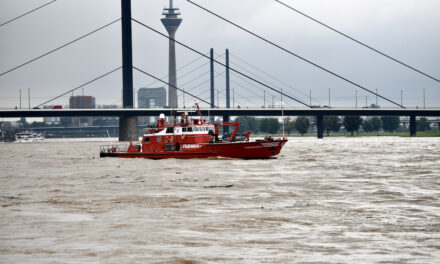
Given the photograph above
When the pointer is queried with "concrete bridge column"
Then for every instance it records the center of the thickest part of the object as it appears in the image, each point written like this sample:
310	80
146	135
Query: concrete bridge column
128	128
412	126
320	126
127	125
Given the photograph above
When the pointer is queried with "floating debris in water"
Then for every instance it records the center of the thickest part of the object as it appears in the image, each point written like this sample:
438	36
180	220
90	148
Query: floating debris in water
220	186
299	204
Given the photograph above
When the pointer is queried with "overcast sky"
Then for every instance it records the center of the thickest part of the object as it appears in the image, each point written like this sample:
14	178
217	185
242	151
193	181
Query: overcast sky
405	29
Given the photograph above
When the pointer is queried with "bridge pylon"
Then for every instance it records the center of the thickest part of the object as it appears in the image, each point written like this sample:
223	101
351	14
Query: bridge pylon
127	124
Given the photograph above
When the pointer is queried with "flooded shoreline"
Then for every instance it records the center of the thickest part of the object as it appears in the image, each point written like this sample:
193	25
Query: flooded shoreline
337	200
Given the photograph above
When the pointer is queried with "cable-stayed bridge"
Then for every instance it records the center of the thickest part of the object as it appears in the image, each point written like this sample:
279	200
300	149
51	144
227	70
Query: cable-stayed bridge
128	120
319	113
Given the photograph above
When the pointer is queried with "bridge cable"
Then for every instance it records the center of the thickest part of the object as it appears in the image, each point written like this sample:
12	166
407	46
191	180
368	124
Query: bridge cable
293	54
164	82
253	84
184	75
178	69
357	41
196	78
27	13
220	63
60	47
203	83
223	74
249	72
269	75
243	97
82	85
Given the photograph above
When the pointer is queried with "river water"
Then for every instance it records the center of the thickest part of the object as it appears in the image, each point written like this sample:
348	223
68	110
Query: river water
337	200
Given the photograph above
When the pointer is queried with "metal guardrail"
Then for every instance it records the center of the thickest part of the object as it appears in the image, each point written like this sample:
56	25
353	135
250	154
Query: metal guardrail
107	149
128	112
221	108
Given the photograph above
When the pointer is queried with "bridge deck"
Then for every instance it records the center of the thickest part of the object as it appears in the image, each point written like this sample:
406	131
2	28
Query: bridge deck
222	112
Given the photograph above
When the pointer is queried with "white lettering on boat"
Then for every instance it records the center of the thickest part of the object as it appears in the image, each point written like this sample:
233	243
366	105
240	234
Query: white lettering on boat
191	146
271	144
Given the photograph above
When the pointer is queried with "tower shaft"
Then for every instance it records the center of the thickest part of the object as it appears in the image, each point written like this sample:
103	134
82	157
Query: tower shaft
172	23
172	75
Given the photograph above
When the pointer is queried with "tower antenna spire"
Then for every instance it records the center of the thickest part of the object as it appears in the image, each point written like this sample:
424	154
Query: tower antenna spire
171	4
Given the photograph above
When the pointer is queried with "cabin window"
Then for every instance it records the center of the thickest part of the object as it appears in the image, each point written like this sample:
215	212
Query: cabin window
195	129
158	139
169	147
190	129
146	139
183	129
170	130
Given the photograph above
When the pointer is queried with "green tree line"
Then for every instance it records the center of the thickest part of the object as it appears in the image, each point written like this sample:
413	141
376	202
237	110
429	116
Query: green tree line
273	125
352	124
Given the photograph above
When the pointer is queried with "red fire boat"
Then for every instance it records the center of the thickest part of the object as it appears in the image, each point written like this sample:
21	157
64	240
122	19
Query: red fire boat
193	137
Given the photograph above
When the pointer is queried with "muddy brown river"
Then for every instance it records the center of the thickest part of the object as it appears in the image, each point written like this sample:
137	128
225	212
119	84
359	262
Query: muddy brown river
337	200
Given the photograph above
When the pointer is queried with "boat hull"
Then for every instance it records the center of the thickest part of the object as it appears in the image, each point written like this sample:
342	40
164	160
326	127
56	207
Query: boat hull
244	150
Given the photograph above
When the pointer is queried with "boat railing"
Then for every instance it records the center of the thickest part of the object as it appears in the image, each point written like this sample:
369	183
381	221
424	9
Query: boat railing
113	148
272	136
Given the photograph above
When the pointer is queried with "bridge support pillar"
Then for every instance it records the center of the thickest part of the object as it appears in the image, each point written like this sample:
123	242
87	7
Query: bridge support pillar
127	125
412	126
128	128
320	126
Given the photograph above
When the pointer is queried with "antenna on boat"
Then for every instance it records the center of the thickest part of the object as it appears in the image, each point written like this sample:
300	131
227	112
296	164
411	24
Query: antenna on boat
198	110
282	116
109	138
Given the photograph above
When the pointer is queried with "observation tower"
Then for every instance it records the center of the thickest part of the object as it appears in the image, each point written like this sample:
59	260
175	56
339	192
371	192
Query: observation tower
172	23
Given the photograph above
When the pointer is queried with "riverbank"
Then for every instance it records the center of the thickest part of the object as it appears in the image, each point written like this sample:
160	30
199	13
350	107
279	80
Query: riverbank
381	134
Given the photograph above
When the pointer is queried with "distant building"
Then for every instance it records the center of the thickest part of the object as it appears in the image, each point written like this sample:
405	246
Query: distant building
151	98
10	124
81	102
